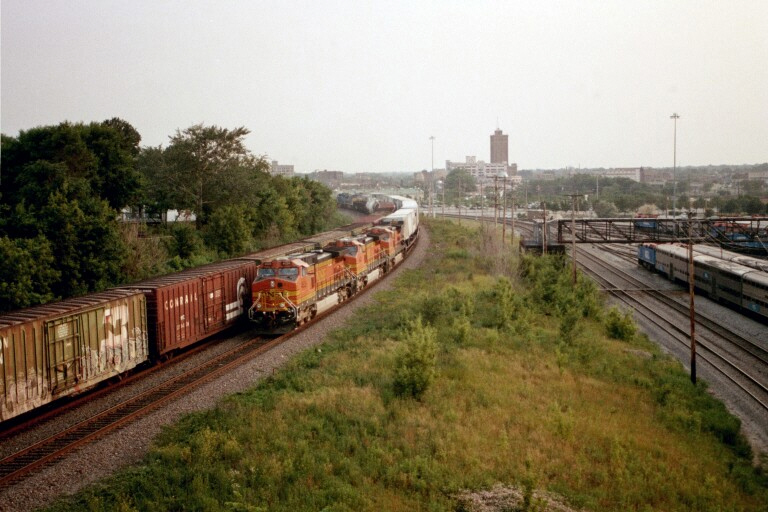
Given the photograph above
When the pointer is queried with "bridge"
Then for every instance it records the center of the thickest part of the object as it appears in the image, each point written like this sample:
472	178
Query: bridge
745	232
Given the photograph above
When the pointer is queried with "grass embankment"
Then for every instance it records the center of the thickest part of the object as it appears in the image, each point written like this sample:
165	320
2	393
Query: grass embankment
472	372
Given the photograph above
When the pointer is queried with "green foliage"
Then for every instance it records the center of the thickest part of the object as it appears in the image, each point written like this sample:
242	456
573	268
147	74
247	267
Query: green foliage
228	231
87	247
63	184
66	183
27	273
207	167
458	183
620	326
552	288
416	360
507	304
605	209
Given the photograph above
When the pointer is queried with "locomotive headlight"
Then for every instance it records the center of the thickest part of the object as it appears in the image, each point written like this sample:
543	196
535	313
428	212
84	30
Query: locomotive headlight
282	304
258	306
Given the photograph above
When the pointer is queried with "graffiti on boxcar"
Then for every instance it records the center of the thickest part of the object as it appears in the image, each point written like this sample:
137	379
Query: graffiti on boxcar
25	387
119	349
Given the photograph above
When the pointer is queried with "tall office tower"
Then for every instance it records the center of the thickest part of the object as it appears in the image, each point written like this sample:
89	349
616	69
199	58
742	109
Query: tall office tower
499	148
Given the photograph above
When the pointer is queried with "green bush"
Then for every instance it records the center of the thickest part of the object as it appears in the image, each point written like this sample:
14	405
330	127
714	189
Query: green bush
620	326
186	241
416	360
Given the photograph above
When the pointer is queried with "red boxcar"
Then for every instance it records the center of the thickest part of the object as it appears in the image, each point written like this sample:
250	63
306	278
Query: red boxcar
188	306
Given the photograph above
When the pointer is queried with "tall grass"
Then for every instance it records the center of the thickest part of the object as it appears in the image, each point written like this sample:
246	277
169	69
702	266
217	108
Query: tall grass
524	390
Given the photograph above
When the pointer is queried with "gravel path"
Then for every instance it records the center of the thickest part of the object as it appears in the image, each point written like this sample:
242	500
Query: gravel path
128	445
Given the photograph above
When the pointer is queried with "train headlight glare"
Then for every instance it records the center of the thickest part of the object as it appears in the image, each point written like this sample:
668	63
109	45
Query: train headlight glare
282	304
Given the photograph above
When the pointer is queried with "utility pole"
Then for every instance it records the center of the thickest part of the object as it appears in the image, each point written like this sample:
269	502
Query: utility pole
513	217
691	286
503	175
544	230
573	232
495	202
504	214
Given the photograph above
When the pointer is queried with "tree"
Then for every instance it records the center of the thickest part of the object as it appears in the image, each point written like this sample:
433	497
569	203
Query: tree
62	184
87	248
115	145
228	231
100	154
457	184
27	273
605	209
209	167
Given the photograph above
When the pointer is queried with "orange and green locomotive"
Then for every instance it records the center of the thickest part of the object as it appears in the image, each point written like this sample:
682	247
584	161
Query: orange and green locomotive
286	291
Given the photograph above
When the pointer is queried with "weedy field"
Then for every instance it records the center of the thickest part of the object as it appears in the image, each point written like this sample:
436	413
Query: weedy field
479	377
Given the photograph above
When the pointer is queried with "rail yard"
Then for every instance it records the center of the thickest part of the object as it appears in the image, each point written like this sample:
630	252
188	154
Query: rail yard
732	354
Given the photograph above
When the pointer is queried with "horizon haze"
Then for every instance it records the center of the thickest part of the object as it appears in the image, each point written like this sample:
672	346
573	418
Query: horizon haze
362	86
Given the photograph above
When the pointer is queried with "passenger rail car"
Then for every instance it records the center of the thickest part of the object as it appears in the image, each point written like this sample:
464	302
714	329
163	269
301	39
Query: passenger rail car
743	259
738	285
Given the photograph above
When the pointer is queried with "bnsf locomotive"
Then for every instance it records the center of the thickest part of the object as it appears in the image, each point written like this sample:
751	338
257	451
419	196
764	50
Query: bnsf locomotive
287	290
61	349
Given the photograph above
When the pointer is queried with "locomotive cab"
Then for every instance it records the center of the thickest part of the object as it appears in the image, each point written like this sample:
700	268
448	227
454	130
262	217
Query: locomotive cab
283	294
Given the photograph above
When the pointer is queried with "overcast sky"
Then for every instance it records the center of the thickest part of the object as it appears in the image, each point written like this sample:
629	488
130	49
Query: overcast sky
360	86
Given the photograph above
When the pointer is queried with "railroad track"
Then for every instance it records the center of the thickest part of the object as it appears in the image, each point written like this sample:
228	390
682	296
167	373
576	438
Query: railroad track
56	446
38	455
748	375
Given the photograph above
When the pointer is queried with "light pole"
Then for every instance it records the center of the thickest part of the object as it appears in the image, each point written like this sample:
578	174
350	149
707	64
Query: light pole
432	176
482	203
674	117
441	184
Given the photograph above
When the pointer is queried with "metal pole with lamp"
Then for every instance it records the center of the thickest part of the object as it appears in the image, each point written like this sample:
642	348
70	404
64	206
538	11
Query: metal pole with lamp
674	117
432	177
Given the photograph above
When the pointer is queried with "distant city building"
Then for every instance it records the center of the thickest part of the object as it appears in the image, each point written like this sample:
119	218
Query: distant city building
758	175
547	176
427	176
633	173
481	171
332	179
499	148
281	170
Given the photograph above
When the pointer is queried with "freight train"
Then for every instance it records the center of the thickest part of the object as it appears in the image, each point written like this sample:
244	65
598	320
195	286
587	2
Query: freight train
61	349
287	290
742	287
